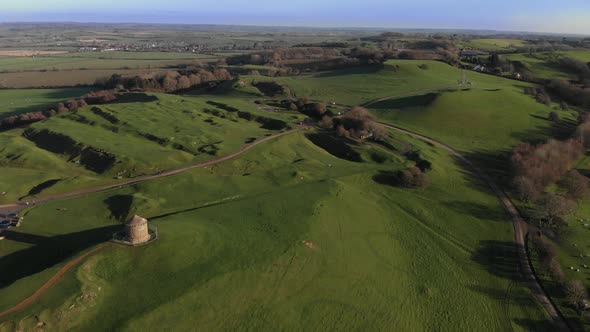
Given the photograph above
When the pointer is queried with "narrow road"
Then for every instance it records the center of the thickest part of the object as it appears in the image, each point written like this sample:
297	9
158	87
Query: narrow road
520	229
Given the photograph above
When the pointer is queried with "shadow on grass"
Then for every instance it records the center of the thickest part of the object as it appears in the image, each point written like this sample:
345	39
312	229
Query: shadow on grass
499	258
480	211
120	206
534	325
407	102
47	251
388	178
335	146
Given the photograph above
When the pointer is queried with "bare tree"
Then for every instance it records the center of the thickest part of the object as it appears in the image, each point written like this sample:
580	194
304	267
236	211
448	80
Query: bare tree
576	184
576	293
551	209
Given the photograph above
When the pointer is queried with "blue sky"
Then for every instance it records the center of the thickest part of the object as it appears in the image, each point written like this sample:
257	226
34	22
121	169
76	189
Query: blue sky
566	16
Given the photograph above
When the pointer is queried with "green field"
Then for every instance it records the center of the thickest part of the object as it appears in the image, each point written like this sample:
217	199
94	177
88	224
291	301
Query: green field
287	236
472	119
14	102
231	256
100	60
495	44
544	64
143	137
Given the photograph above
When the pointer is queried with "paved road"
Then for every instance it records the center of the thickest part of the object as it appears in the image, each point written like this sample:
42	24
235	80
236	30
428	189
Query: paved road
520	229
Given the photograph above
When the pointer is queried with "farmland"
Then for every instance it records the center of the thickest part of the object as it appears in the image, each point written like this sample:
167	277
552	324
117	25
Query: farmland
544	65
495	44
14	102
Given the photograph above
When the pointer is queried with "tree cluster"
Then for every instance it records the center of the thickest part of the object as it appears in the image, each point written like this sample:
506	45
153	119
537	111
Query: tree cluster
574	94
575	66
358	123
170	81
544	164
540	94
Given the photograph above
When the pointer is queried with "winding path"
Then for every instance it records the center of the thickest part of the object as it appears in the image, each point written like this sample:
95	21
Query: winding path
520	229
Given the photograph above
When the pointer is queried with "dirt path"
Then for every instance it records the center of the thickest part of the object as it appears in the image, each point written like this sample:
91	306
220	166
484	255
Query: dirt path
56	277
520	229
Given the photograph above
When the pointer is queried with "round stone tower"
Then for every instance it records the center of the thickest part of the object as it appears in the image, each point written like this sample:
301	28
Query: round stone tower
137	230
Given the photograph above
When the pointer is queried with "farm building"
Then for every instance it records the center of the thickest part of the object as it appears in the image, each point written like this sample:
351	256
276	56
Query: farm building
137	230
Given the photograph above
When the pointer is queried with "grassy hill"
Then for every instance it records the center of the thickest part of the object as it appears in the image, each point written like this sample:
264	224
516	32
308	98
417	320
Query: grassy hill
303	240
472	119
143	134
544	65
360	85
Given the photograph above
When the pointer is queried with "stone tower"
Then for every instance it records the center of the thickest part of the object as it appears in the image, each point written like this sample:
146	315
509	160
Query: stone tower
137	230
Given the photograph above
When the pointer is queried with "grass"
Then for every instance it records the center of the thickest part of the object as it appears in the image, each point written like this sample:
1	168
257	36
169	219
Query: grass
232	250
14	102
100	60
472	120
360	85
544	64
495	44
84	68
146	138
66	78
231	255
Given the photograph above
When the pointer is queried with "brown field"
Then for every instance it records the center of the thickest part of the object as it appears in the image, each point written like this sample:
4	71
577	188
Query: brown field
22	53
62	78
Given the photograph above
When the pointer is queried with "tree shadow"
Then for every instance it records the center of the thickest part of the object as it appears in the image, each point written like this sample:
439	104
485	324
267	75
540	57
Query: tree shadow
406	102
120	206
534	325
499	258
480	211
387	178
47	251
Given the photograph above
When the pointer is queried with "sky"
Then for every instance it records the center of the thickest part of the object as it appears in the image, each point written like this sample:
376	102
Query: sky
566	16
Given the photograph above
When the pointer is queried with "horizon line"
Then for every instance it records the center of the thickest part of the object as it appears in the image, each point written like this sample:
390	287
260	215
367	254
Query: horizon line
415	29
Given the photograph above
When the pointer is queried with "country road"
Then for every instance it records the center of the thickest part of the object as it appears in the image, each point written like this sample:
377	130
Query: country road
520	229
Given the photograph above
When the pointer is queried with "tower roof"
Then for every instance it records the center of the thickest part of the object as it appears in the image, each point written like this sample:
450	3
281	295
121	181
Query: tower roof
136	220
